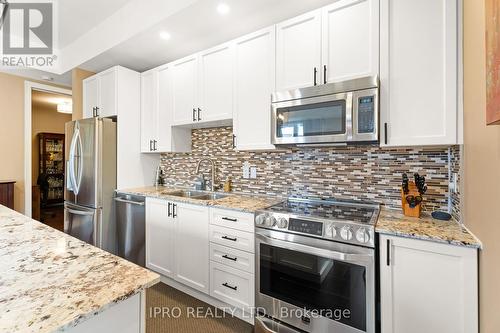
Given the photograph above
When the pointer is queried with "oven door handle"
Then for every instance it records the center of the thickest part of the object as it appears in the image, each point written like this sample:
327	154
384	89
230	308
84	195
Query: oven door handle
357	258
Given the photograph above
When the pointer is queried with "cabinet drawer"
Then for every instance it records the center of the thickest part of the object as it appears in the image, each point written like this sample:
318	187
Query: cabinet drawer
232	219
233	238
231	285
232	257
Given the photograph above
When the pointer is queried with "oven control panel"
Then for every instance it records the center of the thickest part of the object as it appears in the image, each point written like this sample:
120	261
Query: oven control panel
342	232
306	227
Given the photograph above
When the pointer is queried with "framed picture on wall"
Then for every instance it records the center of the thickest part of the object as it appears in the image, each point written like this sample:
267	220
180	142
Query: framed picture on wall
492	11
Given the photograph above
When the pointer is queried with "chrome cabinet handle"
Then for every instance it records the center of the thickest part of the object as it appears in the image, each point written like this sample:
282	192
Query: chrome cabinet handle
315	75
199	114
194	114
324	74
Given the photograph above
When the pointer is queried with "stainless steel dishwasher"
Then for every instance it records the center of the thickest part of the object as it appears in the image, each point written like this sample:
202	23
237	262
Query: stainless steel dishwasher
130	225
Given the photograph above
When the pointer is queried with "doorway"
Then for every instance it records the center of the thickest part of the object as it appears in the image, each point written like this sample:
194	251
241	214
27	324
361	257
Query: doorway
47	110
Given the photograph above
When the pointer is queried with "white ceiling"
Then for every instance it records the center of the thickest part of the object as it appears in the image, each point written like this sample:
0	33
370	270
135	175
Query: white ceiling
77	17
197	27
98	34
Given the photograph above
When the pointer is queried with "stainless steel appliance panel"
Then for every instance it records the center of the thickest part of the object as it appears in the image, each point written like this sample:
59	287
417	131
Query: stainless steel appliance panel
322	120
90	179
130	226
82	223
333	113
327	276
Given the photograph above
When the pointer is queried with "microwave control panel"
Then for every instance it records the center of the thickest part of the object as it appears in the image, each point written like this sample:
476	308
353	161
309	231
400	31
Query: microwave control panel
366	114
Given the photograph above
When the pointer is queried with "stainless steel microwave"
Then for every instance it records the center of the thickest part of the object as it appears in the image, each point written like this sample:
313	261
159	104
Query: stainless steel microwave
333	113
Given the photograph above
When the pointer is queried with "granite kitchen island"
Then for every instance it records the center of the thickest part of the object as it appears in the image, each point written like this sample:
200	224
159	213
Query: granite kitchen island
52	282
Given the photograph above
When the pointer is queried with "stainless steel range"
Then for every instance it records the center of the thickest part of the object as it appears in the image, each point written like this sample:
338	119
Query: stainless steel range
315	266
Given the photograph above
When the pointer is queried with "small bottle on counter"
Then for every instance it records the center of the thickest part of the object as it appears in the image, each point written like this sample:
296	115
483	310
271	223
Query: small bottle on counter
228	184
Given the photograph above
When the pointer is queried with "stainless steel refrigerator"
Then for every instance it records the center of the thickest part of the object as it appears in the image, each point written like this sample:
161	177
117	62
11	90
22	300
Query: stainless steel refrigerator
90	181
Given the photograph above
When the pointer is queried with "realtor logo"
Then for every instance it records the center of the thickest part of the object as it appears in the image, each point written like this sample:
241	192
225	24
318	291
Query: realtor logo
28	28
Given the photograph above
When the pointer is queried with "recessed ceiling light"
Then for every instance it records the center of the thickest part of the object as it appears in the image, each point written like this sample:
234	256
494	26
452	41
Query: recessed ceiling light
65	108
223	8
165	35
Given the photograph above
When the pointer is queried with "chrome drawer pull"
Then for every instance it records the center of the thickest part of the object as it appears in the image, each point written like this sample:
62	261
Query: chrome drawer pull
225	284
230	258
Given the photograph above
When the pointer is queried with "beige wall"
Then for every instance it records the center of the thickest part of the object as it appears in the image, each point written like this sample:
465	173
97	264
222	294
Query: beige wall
481	166
77	77
11	134
44	119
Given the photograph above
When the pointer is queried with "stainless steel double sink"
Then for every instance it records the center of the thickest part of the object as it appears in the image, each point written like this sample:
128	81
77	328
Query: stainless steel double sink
197	195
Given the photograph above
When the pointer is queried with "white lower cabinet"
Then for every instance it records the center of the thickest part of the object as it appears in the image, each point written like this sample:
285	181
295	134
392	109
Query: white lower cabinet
177	242
231	257
427	287
232	286
233	238
191	245
160	237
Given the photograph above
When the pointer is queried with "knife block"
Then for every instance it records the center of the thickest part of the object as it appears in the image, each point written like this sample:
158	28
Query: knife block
407	210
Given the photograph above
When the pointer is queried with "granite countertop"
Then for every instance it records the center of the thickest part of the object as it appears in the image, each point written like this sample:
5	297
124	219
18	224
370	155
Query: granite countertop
233	201
50	281
393	222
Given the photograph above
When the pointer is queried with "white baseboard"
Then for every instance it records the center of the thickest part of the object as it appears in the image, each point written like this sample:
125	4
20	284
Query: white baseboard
239	313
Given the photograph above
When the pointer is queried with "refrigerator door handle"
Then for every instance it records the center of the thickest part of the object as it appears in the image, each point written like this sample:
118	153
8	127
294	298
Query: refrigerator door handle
71	169
80	162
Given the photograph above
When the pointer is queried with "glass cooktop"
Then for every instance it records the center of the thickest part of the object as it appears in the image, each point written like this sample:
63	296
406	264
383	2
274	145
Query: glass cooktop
330	210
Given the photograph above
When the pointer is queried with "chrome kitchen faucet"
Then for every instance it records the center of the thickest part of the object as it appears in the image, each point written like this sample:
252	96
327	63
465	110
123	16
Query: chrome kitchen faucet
212	162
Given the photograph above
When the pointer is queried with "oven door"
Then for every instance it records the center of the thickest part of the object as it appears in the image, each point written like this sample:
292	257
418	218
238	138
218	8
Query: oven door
315	285
323	119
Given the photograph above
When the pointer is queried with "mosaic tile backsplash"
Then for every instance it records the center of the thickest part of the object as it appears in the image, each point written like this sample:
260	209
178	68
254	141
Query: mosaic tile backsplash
366	172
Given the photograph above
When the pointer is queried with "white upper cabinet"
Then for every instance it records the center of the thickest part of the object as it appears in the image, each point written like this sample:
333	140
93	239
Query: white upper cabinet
254	70
157	133
216	84
149	109
185	90
100	93
108	87
104	93
418	72
427	287
298	51
90	96
335	43
350	40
